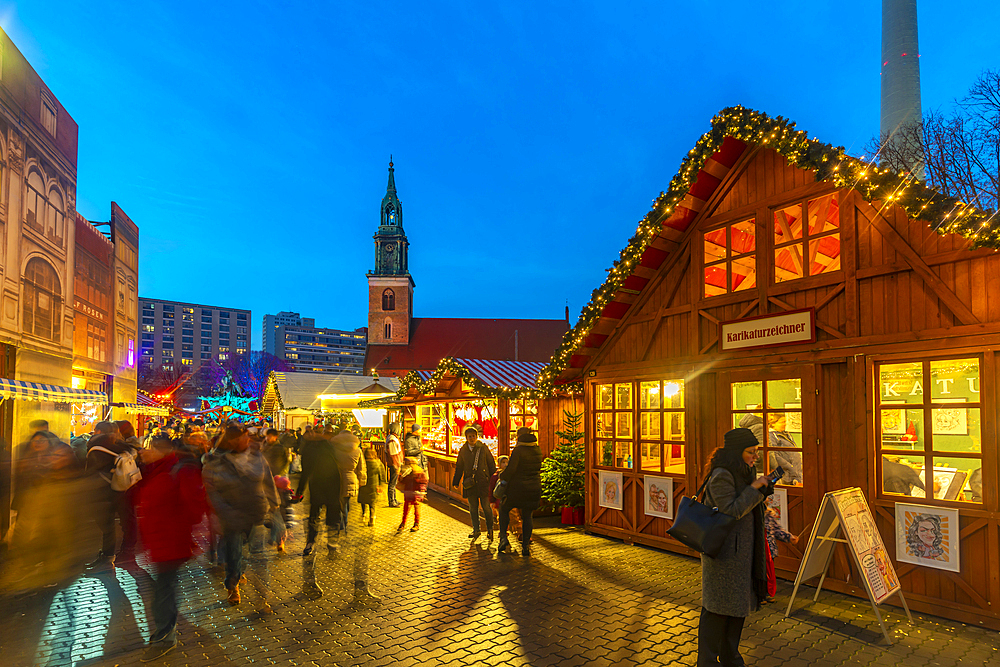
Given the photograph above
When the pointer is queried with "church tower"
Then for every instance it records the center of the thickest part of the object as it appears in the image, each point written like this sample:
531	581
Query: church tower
390	287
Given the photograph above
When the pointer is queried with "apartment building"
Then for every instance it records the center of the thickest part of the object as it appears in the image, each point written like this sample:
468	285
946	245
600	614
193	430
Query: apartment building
312	349
182	336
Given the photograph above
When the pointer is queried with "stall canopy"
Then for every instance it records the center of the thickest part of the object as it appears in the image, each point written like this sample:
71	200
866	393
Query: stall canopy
34	391
484	377
148	406
322	391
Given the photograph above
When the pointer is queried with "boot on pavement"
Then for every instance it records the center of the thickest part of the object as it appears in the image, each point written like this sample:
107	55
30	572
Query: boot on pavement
234	595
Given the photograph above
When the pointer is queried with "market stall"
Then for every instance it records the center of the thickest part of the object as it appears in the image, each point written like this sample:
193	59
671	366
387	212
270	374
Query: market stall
295	400
496	396
783	287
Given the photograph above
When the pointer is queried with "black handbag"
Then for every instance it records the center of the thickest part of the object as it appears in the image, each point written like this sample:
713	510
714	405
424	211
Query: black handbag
699	526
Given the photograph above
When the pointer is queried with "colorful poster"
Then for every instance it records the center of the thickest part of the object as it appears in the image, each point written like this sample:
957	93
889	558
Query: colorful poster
658	496
778	502
866	542
610	493
927	536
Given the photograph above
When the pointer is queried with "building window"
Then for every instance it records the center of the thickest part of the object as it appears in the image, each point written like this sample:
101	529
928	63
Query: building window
36	204
42	307
613	414
661	426
56	216
772	409
168	309
186	362
388	330
730	259
802	250
521	413
388	300
931	419
49	112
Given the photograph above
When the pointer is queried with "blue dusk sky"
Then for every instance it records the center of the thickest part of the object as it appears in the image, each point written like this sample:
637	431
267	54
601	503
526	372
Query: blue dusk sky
250	140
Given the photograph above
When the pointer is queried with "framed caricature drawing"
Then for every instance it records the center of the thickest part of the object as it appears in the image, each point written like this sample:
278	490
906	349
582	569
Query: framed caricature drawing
610	492
927	536
658	496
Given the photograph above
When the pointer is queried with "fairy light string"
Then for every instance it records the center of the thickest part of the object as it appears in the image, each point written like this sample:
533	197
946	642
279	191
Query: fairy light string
944	214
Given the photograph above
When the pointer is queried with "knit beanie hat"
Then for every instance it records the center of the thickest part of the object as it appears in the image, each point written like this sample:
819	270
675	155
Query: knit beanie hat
739	439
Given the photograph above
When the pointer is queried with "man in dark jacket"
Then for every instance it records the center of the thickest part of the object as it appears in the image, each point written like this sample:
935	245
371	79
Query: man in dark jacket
112	502
322	475
473	469
413	447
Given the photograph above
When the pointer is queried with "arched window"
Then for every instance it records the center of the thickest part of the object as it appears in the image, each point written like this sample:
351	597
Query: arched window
35	206
388	300
56	217
42	303
388	330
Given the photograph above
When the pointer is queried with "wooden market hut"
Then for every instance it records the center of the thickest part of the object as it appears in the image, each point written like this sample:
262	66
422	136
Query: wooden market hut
848	314
499	396
294	400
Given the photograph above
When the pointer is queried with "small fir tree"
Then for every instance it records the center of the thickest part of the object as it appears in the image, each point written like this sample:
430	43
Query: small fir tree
563	471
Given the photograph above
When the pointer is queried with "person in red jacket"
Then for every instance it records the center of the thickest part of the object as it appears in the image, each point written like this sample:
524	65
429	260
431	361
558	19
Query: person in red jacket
413	483
170	502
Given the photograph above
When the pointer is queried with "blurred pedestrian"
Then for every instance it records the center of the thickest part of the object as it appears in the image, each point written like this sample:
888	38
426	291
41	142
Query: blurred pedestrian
413	483
353	471
369	493
734	582
524	488
103	451
394	449
241	492
473	468
278	456
413	445
321	475
170	502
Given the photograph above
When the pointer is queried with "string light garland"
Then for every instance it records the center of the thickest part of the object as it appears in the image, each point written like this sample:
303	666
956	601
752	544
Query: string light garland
945	215
449	367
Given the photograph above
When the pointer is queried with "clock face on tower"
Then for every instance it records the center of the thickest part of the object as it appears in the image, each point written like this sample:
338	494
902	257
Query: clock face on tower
389	247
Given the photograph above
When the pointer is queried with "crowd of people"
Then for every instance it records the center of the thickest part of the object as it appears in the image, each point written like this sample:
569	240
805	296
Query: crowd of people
226	488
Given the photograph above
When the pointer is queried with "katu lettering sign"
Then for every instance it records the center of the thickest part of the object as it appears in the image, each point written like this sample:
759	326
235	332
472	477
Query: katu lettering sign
796	326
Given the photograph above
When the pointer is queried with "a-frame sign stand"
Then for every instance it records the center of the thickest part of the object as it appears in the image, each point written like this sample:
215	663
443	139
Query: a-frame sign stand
844	518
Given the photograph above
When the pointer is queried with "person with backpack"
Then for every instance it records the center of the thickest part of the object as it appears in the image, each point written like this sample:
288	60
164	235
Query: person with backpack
473	469
241	492
114	462
169	502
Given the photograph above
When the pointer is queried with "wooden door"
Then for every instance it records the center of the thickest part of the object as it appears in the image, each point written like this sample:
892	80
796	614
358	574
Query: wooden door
779	404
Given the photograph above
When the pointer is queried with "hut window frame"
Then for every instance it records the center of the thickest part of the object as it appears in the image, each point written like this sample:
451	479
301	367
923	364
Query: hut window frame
614	425
664	449
932	412
734	244
770	414
521	412
802	241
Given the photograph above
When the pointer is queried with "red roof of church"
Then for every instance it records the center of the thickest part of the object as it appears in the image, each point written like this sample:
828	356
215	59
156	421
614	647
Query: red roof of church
432	339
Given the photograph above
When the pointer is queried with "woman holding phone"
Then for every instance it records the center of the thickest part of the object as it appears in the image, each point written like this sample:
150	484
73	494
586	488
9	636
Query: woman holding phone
734	582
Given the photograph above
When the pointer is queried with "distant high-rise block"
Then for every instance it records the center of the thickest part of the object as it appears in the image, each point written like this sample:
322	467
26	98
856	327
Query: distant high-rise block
182	336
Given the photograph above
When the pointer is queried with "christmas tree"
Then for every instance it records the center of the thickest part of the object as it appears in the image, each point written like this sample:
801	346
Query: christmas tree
563	470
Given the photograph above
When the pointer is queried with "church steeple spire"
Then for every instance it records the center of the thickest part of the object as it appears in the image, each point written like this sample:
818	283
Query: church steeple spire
392	209
390	240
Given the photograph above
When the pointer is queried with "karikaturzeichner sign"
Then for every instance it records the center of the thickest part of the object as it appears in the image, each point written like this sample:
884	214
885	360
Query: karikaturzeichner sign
797	326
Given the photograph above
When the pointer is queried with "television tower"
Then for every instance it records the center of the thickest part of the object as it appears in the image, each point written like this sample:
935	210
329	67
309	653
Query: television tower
901	74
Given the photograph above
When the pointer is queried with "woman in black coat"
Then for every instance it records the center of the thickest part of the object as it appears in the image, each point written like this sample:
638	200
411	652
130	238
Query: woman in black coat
524	487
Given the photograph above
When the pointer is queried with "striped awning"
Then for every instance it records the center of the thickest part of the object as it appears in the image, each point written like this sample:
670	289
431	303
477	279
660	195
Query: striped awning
35	391
498	374
425	375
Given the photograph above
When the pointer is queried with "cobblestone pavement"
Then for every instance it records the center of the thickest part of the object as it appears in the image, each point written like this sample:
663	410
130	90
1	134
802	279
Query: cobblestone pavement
578	600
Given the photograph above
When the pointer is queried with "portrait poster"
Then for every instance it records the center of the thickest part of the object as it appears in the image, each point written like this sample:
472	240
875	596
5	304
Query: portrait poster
778	501
866	543
610	492
950	421
927	536
658	496
793	420
893	421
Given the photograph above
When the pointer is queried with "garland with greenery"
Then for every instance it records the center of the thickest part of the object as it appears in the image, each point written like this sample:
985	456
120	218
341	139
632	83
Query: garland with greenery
831	163
449	367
